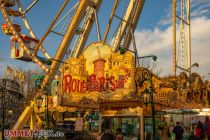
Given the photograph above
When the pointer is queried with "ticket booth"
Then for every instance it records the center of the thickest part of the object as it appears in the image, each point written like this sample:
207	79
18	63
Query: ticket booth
129	119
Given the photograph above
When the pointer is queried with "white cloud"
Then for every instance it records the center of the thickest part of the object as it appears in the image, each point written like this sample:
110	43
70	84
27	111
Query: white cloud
159	42
196	3
198	8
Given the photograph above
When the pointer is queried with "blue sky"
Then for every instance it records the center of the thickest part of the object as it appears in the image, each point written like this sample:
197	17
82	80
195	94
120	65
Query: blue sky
152	33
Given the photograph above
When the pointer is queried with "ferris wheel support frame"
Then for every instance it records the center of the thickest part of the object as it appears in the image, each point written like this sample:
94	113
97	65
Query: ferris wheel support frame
123	26
110	21
50	27
133	23
87	28
63	47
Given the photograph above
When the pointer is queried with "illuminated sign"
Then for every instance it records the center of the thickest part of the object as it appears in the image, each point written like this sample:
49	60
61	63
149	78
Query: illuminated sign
98	69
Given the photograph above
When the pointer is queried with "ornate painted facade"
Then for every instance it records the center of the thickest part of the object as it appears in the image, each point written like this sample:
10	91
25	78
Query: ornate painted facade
100	76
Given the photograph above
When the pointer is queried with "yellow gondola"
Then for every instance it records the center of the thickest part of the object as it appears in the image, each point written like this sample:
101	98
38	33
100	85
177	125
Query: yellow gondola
6	29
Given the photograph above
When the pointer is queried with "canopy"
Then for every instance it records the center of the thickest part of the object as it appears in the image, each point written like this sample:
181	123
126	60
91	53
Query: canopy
182	111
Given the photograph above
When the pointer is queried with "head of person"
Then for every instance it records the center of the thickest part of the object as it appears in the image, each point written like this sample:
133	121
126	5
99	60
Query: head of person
132	135
100	133
177	124
118	130
199	124
107	131
207	119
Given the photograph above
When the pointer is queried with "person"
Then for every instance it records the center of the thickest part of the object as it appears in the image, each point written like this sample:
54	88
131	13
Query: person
107	135
178	131
170	129
119	134
207	127
99	136
163	129
198	131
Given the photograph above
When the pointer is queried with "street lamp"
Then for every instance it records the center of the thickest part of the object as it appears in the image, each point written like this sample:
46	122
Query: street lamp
148	96
10	112
123	51
39	101
153	57
188	70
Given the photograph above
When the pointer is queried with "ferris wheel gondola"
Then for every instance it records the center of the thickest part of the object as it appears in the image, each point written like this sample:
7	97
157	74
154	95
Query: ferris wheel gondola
18	52
7	3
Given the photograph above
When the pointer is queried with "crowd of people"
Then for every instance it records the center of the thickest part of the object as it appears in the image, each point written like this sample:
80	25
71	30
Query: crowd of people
201	131
109	136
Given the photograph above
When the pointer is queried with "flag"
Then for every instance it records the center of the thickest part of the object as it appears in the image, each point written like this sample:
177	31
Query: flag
21	77
8	71
15	74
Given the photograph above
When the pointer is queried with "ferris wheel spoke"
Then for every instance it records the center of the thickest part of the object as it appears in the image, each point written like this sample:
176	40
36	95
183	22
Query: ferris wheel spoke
51	25
123	26
67	39
133	24
87	26
20	41
30	29
30	6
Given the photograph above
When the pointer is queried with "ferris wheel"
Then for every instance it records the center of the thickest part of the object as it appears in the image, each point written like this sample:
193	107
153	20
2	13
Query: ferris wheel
73	24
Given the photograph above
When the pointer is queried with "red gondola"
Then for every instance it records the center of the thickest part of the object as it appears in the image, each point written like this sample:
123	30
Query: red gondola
18	52
7	3
14	13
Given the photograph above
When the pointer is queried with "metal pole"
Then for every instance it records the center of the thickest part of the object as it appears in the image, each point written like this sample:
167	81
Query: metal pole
47	119
110	21
46	110
30	6
97	25
189	37
153	108
134	47
50	27
3	115
174	36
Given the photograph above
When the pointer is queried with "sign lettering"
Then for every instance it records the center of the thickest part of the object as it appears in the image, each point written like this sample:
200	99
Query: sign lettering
71	84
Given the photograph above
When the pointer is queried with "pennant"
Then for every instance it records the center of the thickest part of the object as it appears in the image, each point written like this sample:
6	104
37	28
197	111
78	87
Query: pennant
21	77
8	71
15	74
